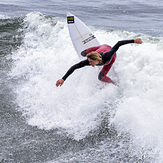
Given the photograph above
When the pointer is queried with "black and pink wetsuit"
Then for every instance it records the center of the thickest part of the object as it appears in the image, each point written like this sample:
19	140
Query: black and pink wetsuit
108	57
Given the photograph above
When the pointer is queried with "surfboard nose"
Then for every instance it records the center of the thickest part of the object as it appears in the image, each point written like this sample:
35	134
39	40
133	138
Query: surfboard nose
69	14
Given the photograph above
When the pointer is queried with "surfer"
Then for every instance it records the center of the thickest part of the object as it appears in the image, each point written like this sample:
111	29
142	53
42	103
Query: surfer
97	56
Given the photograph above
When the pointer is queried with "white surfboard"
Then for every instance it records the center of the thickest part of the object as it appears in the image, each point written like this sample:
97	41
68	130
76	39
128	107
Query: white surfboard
81	36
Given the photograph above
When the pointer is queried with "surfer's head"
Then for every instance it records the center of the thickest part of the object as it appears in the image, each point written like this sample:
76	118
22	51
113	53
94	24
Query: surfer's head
94	58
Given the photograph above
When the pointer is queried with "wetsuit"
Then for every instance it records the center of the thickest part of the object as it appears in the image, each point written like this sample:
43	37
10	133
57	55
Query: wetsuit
108	57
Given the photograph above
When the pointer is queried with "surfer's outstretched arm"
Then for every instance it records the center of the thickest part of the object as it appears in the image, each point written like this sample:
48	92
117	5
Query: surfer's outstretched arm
71	70
123	42
108	55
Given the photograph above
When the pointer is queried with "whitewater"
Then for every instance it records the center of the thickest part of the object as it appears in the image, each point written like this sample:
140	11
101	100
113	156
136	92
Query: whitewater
84	107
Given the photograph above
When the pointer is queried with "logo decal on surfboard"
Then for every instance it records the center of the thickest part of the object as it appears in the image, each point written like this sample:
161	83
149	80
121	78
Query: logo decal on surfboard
89	39
70	19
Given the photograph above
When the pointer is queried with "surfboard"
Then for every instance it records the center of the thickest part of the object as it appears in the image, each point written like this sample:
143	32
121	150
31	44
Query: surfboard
81	36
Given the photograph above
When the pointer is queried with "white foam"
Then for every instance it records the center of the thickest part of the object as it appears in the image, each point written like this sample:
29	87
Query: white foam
45	56
4	17
140	69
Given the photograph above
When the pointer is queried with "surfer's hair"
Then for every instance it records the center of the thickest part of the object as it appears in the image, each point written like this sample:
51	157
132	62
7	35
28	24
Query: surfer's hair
94	56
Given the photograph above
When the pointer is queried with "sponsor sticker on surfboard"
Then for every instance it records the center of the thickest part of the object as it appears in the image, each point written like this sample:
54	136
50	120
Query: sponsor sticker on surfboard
70	19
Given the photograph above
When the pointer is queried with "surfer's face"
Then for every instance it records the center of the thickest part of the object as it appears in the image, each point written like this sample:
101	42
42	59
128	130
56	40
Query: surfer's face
93	62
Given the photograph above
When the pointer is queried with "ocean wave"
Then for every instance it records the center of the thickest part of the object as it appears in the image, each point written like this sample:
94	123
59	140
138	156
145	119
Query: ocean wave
134	107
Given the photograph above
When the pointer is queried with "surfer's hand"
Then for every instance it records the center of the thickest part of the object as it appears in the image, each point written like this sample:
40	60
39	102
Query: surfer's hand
138	41
59	82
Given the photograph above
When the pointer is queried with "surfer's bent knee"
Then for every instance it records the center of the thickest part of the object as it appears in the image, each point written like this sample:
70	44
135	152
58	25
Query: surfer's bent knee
100	76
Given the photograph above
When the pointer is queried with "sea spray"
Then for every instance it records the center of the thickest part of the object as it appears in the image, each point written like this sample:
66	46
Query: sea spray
45	56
